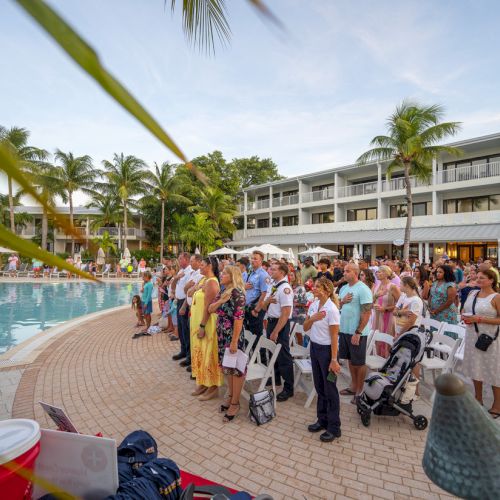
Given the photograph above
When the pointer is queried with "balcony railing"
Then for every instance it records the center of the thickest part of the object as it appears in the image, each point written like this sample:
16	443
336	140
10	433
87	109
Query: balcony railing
286	200
258	205
357	189
324	194
240	208
469	172
399	184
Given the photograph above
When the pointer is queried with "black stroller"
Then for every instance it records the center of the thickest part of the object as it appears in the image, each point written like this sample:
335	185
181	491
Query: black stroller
391	390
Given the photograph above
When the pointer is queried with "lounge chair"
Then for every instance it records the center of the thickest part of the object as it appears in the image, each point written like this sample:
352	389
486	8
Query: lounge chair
54	273
5	270
23	270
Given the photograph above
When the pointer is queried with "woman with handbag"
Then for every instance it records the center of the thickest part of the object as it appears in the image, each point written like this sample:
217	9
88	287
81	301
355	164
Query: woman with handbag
481	314
230	308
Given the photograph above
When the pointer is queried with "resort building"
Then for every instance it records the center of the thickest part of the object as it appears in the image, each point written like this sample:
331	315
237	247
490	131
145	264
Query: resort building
457	212
59	242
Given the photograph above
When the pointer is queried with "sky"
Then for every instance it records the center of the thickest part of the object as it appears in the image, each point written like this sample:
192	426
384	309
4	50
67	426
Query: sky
310	96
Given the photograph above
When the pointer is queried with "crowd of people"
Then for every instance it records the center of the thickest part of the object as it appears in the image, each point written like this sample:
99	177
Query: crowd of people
206	304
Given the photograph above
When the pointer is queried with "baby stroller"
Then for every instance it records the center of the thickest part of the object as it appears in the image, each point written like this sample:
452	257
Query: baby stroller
391	390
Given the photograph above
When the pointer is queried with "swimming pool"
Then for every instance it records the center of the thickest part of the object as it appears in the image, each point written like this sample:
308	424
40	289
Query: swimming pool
28	308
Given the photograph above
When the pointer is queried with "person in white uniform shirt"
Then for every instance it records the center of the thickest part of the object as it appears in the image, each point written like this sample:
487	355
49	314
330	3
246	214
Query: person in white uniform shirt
178	284
279	303
322	323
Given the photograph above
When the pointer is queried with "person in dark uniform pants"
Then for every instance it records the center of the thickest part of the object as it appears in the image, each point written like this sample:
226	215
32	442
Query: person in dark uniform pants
279	303
322	323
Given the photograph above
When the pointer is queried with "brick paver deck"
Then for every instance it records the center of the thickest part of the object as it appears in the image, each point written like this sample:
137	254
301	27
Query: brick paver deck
108	382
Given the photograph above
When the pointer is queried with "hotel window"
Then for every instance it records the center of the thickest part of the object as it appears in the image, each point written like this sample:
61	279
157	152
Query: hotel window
276	222
251	223
421	208
476	204
323	218
263	197
238	222
290	220
262	223
361	214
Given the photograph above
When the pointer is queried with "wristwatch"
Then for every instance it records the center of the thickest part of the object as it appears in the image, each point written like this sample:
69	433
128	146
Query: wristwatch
357	332
202	326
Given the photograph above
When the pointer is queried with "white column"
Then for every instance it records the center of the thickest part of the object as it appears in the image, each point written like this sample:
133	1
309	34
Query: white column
245	208
380	214
427	257
301	212
360	250
434	182
498	252
420	251
140	233
270	206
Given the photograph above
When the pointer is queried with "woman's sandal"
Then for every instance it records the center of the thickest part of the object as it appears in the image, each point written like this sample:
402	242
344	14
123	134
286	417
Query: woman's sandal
347	392
225	407
229	418
494	414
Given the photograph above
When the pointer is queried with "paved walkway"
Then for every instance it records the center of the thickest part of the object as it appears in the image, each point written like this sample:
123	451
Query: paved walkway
108	382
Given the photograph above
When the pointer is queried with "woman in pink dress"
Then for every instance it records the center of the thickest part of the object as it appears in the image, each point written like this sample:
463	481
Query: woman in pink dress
385	297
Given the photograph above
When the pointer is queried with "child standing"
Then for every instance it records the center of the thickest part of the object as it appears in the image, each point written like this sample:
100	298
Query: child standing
147	300
137	305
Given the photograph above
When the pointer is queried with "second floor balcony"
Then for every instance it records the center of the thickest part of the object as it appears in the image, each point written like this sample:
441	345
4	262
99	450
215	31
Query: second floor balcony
469	172
285	201
320	195
358	189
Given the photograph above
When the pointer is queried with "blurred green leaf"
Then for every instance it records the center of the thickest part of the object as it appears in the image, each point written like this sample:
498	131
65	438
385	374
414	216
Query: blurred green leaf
85	56
29	249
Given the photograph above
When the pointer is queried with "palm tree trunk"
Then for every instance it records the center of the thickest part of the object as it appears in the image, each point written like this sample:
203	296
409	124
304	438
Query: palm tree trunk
45	229
162	229
125	225
11	206
409	215
71	223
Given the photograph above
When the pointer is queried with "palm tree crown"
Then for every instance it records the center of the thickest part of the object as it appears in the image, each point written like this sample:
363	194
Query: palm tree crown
414	134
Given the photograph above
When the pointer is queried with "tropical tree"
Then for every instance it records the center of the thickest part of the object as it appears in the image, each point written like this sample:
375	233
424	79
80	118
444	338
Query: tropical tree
414	134
165	186
200	232
75	173
21	219
105	242
217	207
15	140
127	177
108	208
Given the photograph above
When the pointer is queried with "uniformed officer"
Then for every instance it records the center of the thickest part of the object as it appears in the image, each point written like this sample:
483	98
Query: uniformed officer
256	285
279	303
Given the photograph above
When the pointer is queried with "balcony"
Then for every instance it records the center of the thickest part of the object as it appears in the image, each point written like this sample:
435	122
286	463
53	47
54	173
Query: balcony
324	194
358	189
469	173
399	184
240	209
285	201
258	205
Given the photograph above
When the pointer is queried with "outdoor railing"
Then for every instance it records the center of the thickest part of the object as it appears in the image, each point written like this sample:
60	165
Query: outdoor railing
469	172
286	200
357	189
258	205
399	183
240	208
324	194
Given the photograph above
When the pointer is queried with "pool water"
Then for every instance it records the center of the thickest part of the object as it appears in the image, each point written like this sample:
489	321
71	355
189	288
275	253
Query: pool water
28	308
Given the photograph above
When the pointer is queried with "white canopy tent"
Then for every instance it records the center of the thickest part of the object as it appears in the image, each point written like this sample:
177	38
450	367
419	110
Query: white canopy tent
247	251
318	251
224	251
269	249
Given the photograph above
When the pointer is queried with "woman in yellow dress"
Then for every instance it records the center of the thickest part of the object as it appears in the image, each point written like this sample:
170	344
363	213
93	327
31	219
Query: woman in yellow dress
204	349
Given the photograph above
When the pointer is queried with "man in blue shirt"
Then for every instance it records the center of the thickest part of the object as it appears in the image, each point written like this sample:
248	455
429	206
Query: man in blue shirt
356	302
256	285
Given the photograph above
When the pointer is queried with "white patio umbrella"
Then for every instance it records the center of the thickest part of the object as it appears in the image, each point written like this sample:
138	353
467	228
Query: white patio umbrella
223	251
126	253
318	251
268	249
291	257
355	254
247	251
197	251
101	257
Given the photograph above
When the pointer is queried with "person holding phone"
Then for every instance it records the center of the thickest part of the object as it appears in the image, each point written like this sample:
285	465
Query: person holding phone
322	323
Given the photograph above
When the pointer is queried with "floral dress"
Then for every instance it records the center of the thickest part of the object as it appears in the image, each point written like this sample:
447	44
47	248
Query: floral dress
227	314
438	297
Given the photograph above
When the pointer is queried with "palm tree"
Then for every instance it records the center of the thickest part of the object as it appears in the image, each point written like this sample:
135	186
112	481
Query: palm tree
75	174
217	207
108	206
21	219
105	242
165	186
16	140
414	133
200	232
126	176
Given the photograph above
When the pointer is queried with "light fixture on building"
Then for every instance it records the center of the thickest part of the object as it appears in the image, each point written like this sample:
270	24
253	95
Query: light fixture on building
439	249
462	453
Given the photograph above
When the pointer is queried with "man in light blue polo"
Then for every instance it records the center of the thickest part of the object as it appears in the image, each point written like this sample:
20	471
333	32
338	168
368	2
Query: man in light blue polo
256	285
356	302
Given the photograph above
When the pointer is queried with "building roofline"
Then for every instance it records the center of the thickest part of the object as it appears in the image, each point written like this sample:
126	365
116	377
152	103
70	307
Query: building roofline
332	170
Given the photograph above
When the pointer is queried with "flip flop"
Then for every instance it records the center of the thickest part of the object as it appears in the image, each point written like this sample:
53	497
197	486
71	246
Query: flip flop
347	392
494	414
137	335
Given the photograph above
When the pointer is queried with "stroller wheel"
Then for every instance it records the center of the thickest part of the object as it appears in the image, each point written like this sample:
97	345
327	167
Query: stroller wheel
420	422
360	410
365	418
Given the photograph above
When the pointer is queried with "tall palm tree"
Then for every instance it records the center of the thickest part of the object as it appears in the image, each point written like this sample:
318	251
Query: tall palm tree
16	140
414	133
76	173
200	232
126	176
21	219
217	207
108	206
165	186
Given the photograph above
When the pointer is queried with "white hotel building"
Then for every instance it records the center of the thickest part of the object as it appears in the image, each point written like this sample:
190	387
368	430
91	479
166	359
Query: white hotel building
457	212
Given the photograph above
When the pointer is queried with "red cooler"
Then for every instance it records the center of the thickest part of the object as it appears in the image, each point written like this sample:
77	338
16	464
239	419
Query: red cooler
19	447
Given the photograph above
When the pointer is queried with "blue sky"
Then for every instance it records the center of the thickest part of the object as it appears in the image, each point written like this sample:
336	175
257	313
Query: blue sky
311	98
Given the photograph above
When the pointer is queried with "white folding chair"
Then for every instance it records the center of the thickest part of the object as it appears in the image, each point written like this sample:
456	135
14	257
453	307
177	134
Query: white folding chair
438	343
297	350
303	371
249	338
457	331
431	324
257	370
55	273
373	360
